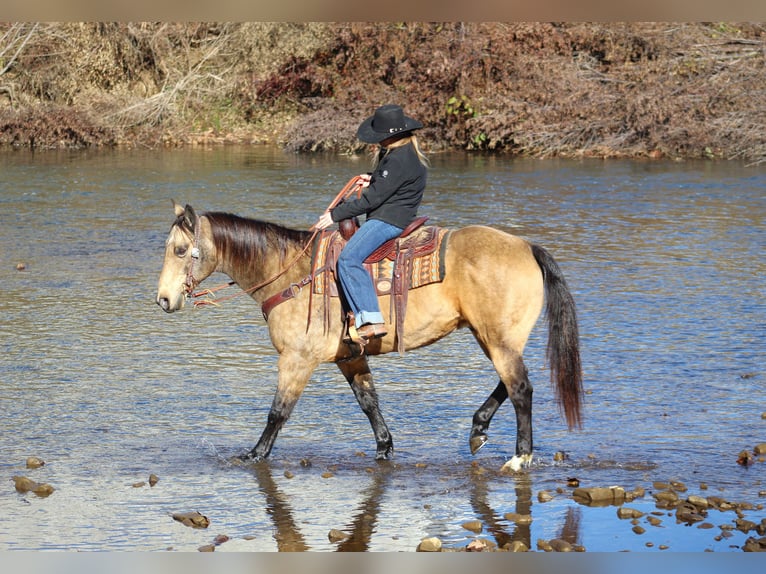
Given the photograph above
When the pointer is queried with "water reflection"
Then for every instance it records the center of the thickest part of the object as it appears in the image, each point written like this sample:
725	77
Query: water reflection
358	531
503	526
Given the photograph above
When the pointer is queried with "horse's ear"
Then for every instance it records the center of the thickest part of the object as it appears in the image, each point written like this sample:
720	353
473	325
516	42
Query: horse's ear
178	208
190	217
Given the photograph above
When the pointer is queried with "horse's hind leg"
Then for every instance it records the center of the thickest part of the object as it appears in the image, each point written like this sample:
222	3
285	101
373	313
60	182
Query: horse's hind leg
357	373
483	416
514	384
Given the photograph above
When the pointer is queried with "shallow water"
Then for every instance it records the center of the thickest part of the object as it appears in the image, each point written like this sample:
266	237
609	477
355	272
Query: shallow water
665	261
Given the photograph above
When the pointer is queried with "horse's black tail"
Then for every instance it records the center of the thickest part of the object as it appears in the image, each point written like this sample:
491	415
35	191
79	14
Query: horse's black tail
563	352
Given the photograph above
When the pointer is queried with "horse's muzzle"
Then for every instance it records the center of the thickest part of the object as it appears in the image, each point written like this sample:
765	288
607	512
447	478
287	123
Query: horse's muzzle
166	304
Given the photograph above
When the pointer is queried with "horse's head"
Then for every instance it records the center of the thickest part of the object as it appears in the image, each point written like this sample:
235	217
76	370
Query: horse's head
189	259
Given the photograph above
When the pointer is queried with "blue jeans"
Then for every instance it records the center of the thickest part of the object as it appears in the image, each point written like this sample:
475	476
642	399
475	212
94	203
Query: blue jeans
354	278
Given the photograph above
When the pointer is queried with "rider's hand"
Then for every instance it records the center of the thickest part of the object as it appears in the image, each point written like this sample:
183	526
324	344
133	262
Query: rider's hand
365	177
324	221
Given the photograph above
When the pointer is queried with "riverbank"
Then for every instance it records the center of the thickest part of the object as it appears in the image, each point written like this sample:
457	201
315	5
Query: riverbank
673	90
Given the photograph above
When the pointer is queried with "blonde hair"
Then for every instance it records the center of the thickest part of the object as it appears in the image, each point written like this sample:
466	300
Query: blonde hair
413	139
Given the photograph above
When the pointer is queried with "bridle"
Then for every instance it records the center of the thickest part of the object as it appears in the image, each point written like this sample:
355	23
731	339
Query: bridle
190	282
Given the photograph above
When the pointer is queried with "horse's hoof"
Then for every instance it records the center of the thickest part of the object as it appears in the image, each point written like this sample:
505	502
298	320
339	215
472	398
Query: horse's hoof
386	454
477	442
250	458
517	463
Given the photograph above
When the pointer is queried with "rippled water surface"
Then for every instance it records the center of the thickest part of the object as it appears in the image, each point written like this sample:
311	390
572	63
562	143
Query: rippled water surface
665	261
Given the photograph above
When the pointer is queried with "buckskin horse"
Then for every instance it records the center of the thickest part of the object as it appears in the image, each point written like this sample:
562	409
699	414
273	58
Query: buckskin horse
495	284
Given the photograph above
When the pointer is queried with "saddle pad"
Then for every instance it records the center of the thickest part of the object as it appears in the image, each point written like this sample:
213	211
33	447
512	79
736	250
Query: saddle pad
427	264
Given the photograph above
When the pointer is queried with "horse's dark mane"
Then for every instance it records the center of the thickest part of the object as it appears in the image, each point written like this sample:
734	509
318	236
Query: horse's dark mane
243	240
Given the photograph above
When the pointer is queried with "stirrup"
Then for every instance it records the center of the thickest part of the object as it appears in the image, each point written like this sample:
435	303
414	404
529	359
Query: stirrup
352	335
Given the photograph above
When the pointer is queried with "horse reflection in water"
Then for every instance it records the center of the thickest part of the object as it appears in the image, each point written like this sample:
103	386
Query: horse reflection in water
363	524
495	284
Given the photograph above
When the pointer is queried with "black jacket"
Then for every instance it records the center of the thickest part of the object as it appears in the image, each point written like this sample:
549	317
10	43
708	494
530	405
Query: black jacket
395	190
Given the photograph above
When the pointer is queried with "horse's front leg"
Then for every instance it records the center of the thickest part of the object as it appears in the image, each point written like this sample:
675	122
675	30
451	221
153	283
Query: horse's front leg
294	373
357	373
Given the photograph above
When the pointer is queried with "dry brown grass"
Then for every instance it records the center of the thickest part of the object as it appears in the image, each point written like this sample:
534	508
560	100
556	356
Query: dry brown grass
541	89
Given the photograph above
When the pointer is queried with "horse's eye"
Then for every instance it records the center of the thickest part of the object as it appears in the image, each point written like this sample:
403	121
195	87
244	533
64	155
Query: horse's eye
181	250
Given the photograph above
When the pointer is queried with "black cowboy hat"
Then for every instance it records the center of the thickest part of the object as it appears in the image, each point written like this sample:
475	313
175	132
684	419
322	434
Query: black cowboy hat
387	121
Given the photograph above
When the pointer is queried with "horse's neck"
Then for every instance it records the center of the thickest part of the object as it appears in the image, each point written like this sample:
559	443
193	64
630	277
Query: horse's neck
264	269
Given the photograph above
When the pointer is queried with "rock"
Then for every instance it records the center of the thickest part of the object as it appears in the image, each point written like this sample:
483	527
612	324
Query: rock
192	519
473	525
327	474
153	479
559	545
559	456
653	520
639	529
21	266
336	535
698	501
206	548
678	486
517	546
432	544
744	525
624	512
573	482
599	496
544	545
476	546
35	462
689	513
140	484
745	458
24	485
755	545
544	496
667	496
760	448
289	474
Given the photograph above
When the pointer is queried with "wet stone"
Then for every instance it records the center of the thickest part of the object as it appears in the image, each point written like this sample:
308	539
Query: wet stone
544	496
35	462
755	545
191	519
744	525
431	544
559	545
689	513
24	485
624	512
473	525
599	496
476	546
153	479
517	546
760	448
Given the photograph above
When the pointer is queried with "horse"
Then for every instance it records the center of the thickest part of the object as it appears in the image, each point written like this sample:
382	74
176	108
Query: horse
495	284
